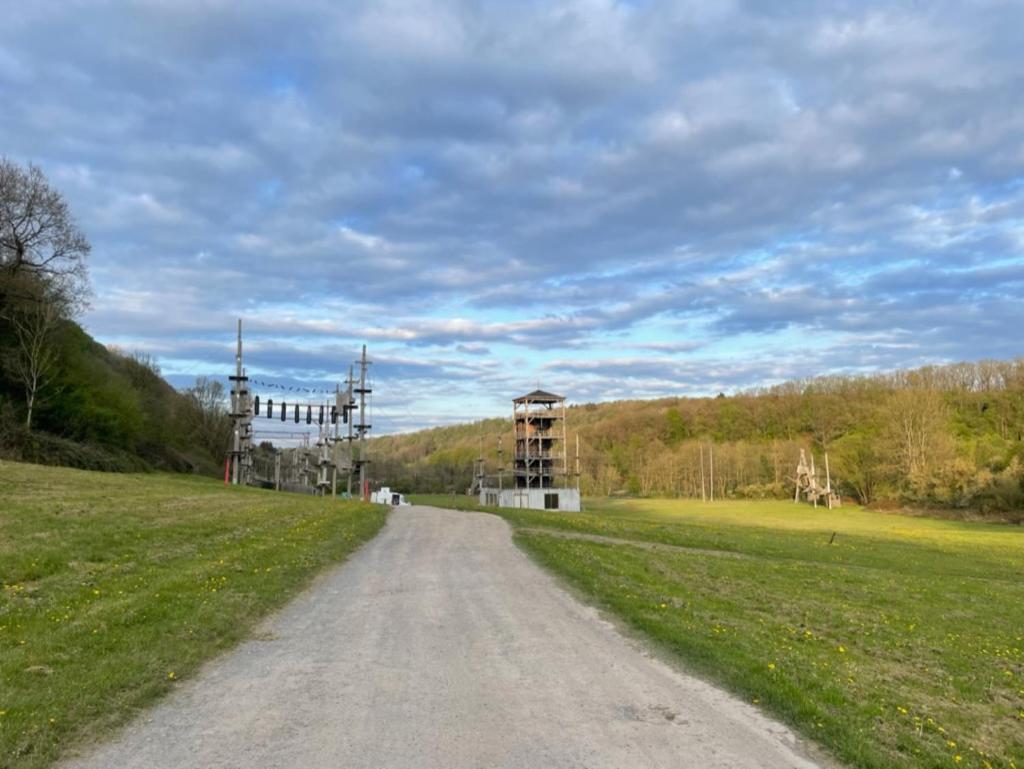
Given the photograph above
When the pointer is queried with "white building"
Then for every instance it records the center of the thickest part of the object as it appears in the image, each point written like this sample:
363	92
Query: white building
555	498
385	496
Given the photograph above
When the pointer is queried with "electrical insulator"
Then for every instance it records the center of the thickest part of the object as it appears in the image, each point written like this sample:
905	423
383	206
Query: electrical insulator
321	415
344	415
256	405
334	415
309	415
270	408
284	411
296	413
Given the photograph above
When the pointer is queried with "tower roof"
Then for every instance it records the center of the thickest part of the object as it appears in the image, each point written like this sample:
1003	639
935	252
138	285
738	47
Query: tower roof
539	396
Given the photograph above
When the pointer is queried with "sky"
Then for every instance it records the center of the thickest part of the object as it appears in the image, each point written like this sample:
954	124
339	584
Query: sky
606	199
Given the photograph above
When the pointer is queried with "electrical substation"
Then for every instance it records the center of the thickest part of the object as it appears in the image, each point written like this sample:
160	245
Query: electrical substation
315	467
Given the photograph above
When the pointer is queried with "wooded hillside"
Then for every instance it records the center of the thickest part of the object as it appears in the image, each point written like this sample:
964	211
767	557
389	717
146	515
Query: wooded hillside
948	436
64	398
106	410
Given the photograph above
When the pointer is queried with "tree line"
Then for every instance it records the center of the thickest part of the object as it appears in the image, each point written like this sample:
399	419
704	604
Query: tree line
941	436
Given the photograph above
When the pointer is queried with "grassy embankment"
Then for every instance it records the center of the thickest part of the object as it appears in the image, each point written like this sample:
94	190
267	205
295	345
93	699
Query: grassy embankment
900	644
116	587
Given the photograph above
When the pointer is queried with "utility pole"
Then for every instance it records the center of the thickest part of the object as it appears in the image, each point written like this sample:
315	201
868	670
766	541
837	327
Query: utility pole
565	449
703	493
349	401
334	441
241	416
579	488
363	425
501	467
479	479
711	462
323	445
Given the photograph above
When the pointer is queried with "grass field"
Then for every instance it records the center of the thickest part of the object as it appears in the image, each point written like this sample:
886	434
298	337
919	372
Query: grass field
116	587
900	644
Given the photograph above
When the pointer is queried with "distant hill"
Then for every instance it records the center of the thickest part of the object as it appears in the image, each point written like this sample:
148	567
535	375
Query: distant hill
942	436
104	410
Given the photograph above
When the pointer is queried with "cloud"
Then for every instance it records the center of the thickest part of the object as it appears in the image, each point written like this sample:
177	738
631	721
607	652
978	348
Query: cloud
481	191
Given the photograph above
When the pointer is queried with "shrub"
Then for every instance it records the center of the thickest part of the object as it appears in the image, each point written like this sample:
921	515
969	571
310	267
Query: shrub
44	449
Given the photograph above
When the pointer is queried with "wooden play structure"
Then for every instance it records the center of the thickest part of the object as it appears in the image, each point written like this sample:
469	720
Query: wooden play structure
810	487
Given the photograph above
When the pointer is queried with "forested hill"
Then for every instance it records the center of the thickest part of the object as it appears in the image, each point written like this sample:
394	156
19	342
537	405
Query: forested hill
106	410
947	436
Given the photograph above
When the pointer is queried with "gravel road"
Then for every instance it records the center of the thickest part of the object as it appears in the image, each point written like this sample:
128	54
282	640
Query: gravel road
439	644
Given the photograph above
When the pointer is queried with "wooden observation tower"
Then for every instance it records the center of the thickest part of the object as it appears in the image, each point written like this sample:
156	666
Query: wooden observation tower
540	453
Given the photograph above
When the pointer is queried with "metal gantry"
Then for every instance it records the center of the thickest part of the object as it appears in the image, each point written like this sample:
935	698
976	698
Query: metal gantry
309	469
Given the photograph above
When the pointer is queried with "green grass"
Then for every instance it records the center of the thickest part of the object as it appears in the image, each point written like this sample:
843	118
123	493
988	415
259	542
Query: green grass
117	587
901	644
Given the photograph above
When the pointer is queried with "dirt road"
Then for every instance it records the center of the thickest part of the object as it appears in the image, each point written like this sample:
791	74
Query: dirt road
441	645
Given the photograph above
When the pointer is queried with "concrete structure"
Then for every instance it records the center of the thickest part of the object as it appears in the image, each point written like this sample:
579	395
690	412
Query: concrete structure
559	498
541	479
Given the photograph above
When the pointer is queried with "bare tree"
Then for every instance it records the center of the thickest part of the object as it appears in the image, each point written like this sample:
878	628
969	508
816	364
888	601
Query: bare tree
38	234
33	360
207	415
919	436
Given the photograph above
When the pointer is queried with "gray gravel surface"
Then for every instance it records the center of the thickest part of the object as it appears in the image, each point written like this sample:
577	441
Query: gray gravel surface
440	644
